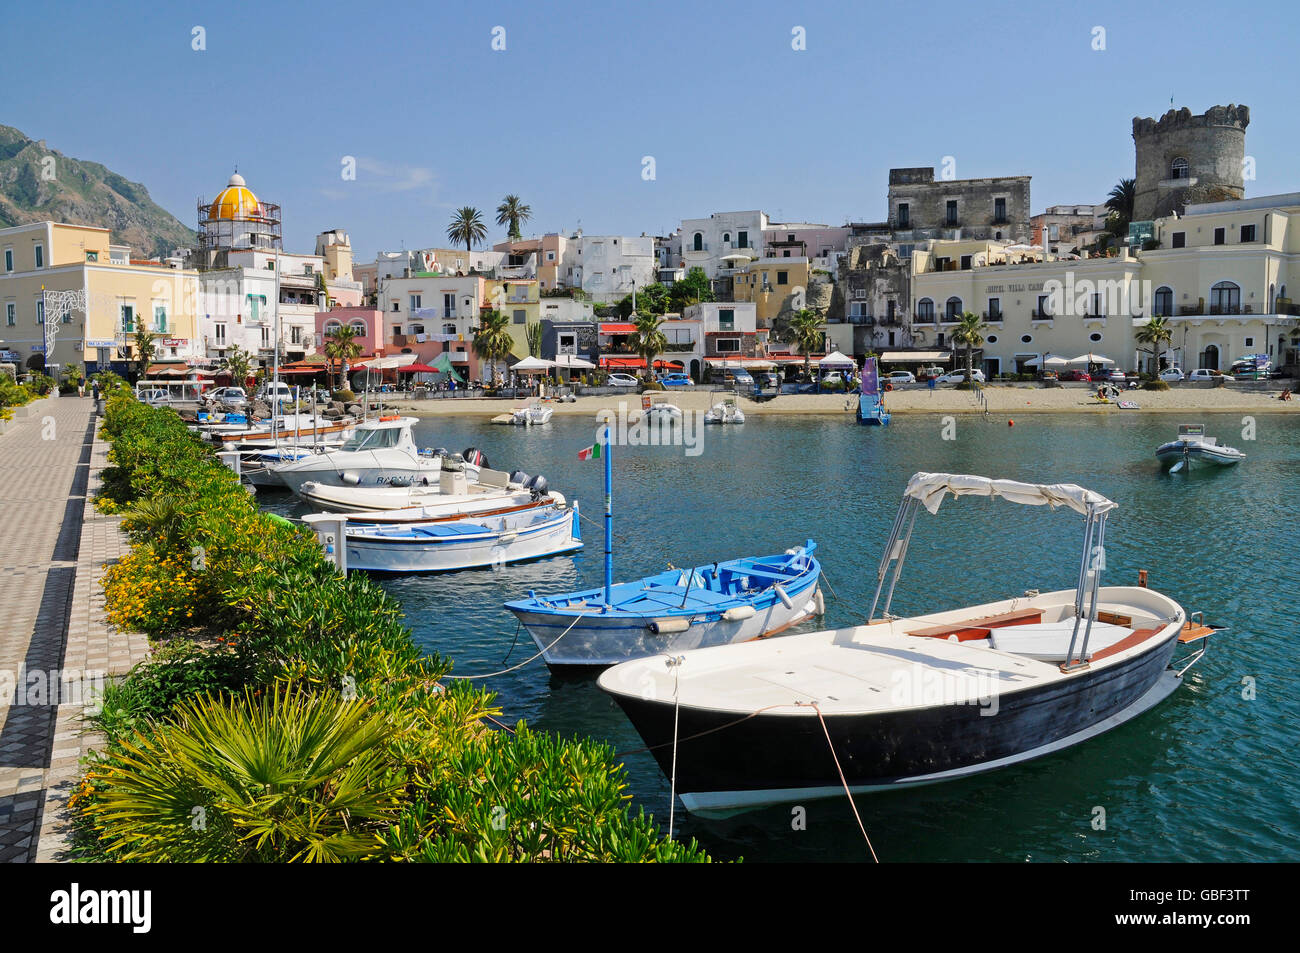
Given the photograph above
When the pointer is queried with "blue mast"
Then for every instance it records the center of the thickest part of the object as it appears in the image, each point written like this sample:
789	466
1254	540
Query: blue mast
609	516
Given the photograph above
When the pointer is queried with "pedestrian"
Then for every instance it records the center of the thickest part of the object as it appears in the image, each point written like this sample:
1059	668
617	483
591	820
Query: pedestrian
81	387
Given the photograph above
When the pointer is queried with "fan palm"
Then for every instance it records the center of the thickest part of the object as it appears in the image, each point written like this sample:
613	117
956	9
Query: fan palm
650	340
492	339
1156	332
968	333
467	226
1120	202
805	331
341	345
513	212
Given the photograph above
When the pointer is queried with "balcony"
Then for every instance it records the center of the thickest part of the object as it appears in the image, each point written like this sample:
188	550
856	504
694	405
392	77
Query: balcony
1229	309
1039	315
993	317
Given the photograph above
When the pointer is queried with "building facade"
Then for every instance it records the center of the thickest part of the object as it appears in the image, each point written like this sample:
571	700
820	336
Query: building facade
1184	159
995	208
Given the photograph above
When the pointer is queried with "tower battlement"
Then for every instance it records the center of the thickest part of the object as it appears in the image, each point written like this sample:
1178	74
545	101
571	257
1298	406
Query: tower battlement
1230	115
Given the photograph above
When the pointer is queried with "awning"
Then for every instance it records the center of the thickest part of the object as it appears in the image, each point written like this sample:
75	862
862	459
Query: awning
618	329
1091	358
532	365
837	359
572	361
417	369
749	363
318	369
931	488
384	363
635	362
167	370
915	357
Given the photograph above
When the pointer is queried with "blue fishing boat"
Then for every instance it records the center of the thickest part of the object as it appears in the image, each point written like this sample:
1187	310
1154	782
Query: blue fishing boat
871	406
714	604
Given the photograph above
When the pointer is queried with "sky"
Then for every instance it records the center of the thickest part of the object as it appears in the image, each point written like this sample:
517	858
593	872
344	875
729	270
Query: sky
733	115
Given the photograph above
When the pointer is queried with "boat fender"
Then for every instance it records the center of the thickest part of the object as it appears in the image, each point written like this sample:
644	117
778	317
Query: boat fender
736	613
673	624
819	601
351	477
785	599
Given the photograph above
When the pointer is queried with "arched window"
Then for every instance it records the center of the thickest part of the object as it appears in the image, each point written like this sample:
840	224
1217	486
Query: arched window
331	327
952	309
698	244
358	326
1162	303
925	310
726	236
1225	298
1178	168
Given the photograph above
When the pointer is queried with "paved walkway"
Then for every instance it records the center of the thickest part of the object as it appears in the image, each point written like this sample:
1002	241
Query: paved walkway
54	641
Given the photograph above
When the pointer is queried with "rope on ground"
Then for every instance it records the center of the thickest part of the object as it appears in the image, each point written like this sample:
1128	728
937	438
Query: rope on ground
513	668
843	780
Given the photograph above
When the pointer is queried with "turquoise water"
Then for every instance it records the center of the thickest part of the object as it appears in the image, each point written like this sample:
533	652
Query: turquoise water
1207	776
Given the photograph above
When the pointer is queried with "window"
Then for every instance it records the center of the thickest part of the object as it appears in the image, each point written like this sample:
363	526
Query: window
786	253
414	302
728	345
952	309
965	262
993	339
128	319
726	236
550	256
1042	311
727	318
742	239
789	236
9	259
295	334
1179	240
266	337
697	244
995	309
1178	168
1219	236
1225	298
11	313
358	327
92	256
925	310
160	319
999	210
397	330
951	215
1094	337
1250	342
219	334
783	277
39	251
1162	303
521	316
1026	339
332	326
396	306
904	215
449	305
1248	233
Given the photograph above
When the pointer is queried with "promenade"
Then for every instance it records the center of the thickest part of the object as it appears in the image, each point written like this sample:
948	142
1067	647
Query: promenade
55	646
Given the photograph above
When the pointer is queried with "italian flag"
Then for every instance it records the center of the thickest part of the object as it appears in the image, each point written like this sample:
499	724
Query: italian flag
591	453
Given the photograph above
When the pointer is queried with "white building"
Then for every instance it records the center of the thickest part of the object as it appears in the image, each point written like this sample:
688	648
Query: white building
722	242
609	266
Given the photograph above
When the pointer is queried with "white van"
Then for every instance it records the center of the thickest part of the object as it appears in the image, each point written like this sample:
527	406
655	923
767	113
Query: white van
269	389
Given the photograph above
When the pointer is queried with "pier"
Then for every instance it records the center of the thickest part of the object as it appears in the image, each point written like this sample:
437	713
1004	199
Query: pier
55	644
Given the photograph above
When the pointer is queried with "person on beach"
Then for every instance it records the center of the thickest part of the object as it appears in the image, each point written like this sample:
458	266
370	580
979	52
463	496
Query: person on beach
1285	395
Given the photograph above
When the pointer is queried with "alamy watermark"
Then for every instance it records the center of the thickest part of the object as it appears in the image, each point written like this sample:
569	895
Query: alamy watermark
29	687
653	426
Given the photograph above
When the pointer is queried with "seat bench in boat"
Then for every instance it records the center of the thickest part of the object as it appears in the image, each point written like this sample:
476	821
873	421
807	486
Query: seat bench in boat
973	629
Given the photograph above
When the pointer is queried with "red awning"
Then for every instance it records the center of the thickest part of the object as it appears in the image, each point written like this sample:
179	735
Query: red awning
618	329
635	362
318	369
418	369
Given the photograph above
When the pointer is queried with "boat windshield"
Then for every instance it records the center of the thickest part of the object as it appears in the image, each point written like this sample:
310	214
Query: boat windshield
379	439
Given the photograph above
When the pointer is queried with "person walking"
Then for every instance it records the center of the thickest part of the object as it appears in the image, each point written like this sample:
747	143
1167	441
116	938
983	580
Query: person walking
81	387
94	393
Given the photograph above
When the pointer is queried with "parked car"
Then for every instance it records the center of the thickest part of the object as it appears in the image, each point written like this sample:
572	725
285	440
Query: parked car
1172	374
771	380
1117	376
154	397
677	379
900	377
959	377
832	379
1049	376
229	396
728	376
620	380
269	390
1073	375
933	372
1208	374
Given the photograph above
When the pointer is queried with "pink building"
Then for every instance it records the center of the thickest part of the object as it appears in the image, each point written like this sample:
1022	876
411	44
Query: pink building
367	322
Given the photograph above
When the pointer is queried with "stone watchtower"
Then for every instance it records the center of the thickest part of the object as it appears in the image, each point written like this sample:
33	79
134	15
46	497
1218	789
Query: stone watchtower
1183	159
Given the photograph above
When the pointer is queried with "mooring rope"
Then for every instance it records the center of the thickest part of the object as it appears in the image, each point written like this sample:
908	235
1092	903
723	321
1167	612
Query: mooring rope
513	668
847	793
675	663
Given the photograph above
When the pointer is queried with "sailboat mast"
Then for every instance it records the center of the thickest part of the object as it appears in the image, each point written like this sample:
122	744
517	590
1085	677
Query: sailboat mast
609	517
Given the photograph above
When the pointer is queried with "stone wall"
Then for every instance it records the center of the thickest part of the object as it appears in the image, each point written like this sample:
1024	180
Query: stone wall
1214	145
927	203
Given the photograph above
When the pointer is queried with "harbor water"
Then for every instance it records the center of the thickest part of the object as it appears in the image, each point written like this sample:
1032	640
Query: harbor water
1211	775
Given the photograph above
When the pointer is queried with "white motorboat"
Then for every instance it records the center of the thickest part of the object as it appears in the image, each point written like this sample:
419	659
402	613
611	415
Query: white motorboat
453	496
381	452
476	543
659	408
725	412
535	413
1194	448
911	701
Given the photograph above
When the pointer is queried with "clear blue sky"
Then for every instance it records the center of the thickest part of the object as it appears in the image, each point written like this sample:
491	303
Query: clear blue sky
735	118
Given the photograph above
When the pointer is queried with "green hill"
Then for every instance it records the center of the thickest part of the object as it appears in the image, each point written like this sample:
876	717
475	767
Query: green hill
82	193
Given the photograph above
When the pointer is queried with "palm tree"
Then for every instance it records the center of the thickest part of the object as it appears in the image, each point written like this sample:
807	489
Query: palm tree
237	365
968	334
341	345
806	332
650	340
1154	333
145	349
514	213
492	339
533	333
467	226
1120	202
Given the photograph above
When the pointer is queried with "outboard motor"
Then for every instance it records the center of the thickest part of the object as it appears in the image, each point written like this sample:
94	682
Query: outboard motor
520	477
537	485
476	457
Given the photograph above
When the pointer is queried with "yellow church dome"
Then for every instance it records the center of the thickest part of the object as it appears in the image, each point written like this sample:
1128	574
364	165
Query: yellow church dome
236	200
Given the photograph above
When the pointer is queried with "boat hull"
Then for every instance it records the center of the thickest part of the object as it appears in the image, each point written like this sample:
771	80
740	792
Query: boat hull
398	554
593	641
1195	456
717	770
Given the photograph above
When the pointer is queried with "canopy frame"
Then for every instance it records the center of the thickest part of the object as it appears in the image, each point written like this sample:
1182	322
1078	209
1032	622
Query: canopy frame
928	490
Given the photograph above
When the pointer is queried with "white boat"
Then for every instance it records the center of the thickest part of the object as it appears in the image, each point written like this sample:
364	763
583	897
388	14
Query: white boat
535	413
454	495
1194	448
725	412
659	408
914	700
380	453
464	544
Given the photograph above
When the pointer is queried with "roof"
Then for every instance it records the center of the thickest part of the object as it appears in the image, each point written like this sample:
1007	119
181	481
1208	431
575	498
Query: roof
234	201
618	328
903	357
931	489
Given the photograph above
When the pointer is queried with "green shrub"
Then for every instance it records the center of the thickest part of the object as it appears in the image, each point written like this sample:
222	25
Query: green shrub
346	396
1155	384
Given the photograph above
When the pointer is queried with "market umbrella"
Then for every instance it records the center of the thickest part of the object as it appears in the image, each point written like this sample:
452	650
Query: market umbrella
532	365
417	369
1091	358
442	364
1047	361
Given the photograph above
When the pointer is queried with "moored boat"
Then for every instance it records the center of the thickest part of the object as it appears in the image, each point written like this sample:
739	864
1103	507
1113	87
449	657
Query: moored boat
1194	448
915	700
725	412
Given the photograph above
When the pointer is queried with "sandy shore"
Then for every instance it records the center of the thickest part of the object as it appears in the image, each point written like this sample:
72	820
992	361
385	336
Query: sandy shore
1002	400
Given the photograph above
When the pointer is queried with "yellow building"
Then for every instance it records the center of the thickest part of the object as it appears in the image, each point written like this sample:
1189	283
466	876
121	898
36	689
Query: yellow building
776	286
518	299
98	296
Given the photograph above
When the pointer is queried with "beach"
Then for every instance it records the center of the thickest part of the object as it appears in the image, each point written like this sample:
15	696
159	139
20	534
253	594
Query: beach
1007	400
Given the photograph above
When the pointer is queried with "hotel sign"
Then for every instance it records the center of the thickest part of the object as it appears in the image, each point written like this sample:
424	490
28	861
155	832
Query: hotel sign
101	342
1013	288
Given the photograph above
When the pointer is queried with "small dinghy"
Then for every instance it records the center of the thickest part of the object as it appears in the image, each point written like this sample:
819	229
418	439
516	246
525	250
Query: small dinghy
1194	448
725	412
916	700
716	604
